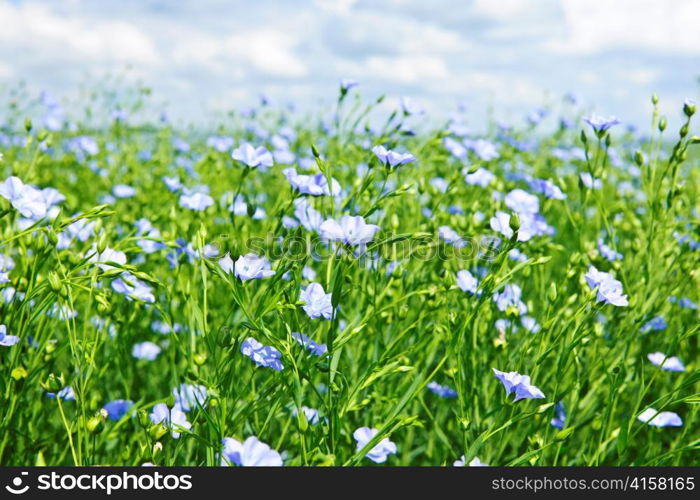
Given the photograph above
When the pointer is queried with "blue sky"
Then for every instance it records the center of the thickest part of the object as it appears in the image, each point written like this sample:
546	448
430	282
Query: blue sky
206	56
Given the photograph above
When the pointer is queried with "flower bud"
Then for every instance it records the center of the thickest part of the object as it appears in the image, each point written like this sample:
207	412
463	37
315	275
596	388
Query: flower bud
53	237
19	373
662	124
157	431
638	158
95	424
144	420
102	243
55	282
53	383
514	222
689	107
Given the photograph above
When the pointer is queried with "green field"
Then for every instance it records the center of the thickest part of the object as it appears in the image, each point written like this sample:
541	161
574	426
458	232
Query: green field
137	256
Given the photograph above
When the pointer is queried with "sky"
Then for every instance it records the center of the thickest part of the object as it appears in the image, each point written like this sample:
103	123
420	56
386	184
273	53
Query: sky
208	56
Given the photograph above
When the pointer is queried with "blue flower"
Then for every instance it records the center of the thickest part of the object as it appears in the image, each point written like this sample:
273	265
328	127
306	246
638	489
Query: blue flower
475	462
559	420
450	236
251	266
510	297
118	408
347	84
518	384
145	350
188	396
251	453
317	303
517	255
655	418
65	394
27	200
315	185
656	324
252	156
350	230
195	200
485	150
547	188
501	224
670	363
173	418
133	288
308	273
309	217
308	343
440	184
262	355
522	202
7	340
480	177
173	183
609	290
601	124
454	147
530	324
107	255
6	263
443	391
310	414
590	182
392	158
684	302
82	230
381	450
608	253
221	144
410	107
123	191
467	282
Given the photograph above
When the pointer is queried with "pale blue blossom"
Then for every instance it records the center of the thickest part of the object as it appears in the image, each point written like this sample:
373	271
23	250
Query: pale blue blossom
655	418
352	230
251	453
670	363
515	383
173	418
251	266
262	355
251	156
381	450
317	303
7	340
308	343
467	282
145	350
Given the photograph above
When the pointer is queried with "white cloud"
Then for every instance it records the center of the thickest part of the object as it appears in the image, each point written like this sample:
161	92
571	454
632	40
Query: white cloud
591	27
502	9
30	26
402	69
268	50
